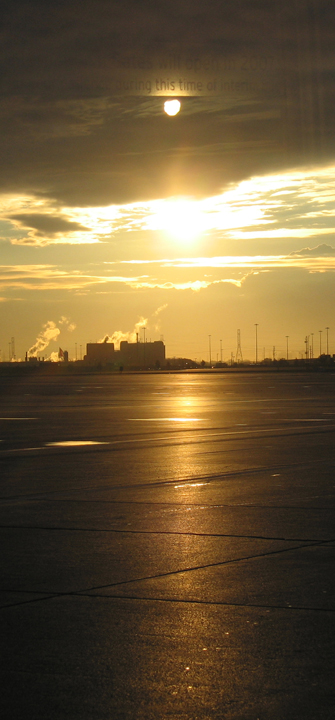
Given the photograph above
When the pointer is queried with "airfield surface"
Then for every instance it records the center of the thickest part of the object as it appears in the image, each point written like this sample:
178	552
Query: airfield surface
168	546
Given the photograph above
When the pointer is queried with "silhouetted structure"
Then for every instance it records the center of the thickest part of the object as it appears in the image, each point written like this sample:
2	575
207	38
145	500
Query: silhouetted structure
148	354
239	356
100	353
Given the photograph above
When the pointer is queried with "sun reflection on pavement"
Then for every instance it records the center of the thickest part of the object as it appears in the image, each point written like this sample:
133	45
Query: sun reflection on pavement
166	419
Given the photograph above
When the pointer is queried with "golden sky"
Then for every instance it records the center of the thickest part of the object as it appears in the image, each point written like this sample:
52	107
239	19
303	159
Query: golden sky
114	216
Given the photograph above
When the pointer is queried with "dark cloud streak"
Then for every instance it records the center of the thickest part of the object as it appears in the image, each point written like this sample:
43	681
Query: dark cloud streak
47	224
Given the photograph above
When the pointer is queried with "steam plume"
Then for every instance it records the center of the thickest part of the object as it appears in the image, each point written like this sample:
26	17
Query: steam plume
131	336
119	335
49	332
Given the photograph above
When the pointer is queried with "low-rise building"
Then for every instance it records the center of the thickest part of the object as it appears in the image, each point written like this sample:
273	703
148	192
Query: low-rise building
148	354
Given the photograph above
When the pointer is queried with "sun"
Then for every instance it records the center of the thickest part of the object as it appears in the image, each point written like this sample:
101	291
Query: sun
180	218
172	107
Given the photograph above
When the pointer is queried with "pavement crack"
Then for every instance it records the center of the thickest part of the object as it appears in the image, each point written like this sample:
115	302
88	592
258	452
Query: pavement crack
205	566
161	532
194	601
29	601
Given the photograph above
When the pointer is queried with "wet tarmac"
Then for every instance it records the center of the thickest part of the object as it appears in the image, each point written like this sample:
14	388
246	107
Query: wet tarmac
168	546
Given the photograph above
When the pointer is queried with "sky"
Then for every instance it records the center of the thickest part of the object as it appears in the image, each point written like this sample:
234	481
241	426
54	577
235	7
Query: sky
115	217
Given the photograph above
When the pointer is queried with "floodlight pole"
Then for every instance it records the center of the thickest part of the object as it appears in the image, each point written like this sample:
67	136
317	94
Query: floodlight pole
256	326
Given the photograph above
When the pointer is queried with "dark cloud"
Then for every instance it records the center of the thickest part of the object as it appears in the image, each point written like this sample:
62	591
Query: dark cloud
81	122
47	224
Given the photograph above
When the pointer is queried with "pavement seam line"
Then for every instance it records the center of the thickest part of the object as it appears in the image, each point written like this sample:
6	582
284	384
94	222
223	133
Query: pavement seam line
56	596
208	565
208	602
86	592
161	532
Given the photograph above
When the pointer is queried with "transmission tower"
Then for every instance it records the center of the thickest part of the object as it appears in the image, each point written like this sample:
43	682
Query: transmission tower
239	356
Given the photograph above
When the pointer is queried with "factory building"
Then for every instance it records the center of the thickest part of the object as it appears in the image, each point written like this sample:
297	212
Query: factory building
132	355
100	353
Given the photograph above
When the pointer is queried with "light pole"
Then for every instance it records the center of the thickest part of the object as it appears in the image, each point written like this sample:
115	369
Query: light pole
312	346
307	346
221	351
256	326
287	337
327	328
320	331
210	349
144	329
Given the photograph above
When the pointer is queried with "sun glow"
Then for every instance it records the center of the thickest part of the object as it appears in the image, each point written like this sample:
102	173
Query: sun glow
182	219
256	208
172	107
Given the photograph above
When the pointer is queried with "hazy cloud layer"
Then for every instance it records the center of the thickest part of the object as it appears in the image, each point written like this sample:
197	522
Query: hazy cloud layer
71	131
294	204
319	251
196	273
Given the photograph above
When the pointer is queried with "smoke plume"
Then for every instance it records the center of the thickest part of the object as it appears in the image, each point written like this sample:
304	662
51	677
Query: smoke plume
131	335
70	326
53	357
49	332
155	315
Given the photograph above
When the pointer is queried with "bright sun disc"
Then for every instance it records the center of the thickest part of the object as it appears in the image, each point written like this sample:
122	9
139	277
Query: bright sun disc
172	107
182	218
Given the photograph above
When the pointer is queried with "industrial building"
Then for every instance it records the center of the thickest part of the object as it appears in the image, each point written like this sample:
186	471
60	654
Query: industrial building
132	355
100	353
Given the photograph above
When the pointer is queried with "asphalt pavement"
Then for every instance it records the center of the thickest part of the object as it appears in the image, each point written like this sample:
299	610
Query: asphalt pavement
168	546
